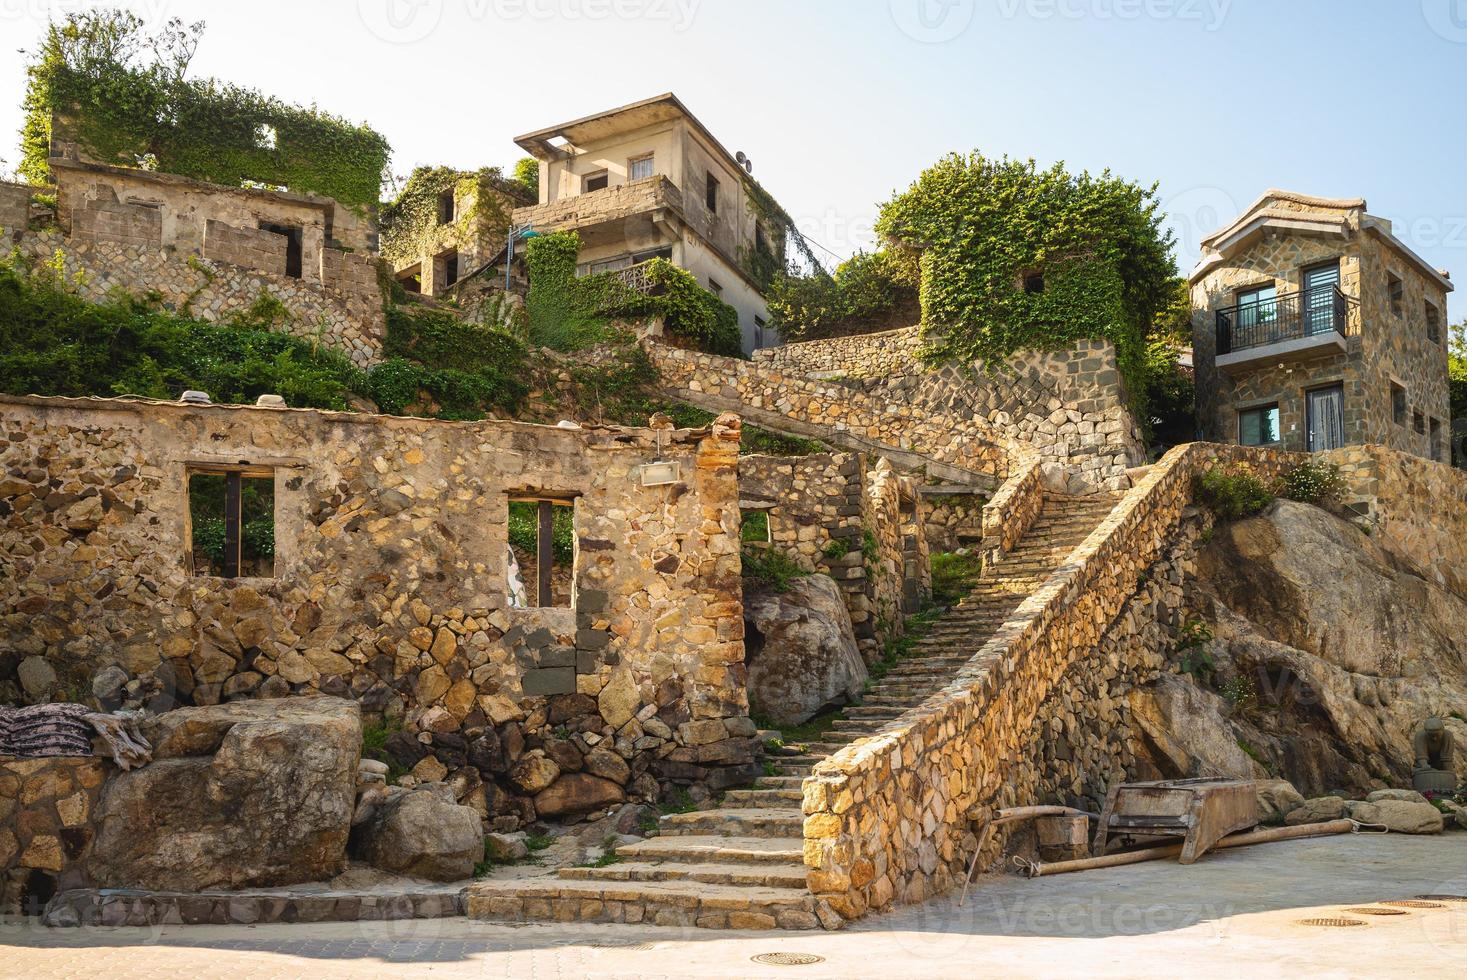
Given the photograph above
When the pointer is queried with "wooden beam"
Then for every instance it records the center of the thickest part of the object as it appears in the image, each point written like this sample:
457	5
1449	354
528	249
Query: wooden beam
545	554
232	529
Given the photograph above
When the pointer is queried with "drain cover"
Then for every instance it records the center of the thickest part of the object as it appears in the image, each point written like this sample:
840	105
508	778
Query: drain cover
1415	904
1335	922
788	959
1376	910
1444	898
621	945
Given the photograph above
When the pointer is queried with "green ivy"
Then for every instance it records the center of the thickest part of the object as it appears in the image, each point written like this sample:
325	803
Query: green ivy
867	293
409	222
570	312
979	226
89	73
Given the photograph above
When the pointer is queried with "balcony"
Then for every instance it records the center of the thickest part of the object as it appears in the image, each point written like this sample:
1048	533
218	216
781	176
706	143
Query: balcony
604	214
1311	323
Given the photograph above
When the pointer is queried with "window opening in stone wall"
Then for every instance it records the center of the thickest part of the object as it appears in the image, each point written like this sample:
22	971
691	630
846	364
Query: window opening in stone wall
232	522
597	181
641	168
412	278
1396	290
715	287
711	194
448	267
446	212
1259	426
1033	282
754	526
1436	440
1433	323
294	235
540	561
1418	422
1398	404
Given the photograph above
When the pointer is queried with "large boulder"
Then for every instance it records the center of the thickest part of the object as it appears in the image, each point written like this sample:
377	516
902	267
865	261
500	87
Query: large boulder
1321	809
576	793
239	795
801	651
1400	816
421	832
1185	727
1277	798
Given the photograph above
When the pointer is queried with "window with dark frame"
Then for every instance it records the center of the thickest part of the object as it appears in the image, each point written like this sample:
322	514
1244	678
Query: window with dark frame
540	559
231	526
448	262
1396	291
597	181
715	287
1418	422
1433	323
1259	426
446	208
711	194
1398	404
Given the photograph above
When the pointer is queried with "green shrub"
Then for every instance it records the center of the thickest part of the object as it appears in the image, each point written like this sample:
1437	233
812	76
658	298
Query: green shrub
524	529
1232	495
1193	648
1312	483
755	526
954	574
771	569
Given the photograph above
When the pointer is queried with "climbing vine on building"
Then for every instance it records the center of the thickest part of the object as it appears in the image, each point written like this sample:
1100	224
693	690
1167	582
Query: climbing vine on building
1013	257
410	223
121	92
566	311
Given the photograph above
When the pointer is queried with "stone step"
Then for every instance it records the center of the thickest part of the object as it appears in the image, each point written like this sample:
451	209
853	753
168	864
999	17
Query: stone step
779	782
736	822
716	849
762	797
756	875
663	903
870	711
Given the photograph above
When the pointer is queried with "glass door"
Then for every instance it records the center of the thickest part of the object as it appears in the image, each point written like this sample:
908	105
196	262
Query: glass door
1320	284
1326	418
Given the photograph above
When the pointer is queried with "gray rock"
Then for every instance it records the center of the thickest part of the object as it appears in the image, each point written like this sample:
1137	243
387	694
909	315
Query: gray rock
37	677
1401	795
1400	816
421	833
1277	798
239	795
108	684
1188	725
576	793
1321	809
801	651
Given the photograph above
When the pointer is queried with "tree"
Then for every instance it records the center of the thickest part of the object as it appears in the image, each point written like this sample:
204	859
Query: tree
869	292
527	172
1013	257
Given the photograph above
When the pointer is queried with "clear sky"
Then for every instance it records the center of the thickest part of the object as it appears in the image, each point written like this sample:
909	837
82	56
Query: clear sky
842	102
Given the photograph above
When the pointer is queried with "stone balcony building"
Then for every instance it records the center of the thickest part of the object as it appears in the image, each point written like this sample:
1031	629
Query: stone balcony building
649	180
1315	327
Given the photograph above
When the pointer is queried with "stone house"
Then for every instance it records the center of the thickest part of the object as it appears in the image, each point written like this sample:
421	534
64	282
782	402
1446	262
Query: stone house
648	180
1315	327
461	232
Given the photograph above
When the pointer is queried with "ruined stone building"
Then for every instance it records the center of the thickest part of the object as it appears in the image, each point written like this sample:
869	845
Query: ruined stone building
1315	327
648	180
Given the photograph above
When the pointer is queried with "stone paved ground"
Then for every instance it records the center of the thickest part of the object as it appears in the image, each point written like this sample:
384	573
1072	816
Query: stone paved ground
1231	916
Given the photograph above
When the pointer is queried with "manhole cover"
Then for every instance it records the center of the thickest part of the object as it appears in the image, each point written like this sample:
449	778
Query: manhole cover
788	959
1444	898
621	945
1376	910
1334	922
1414	904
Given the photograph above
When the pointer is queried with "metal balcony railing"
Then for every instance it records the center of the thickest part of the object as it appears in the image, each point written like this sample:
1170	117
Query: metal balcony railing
1291	317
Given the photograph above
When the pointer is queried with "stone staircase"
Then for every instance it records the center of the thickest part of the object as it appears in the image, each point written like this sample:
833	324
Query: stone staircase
741	865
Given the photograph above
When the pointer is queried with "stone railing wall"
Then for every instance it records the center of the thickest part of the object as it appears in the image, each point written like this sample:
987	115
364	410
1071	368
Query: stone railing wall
887	819
47	824
952	520
1012	510
608	204
888	427
389	584
820	509
1417	507
345	312
868	355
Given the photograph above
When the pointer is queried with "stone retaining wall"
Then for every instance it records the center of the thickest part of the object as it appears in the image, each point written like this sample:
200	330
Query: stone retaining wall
15	209
1012	510
821	509
867	355
47	811
952	520
389	586
888	819
344	311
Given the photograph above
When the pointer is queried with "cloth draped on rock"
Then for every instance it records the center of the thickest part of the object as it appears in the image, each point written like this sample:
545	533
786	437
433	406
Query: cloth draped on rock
42	731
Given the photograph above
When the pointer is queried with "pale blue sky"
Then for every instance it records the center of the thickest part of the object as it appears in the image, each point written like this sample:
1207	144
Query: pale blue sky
841	102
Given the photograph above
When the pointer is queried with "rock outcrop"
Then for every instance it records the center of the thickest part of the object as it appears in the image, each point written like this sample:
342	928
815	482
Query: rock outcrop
801	651
239	795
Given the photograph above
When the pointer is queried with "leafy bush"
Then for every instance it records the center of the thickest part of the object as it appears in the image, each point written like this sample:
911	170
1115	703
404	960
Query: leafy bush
771	569
867	293
1232	495
954	574
1312	483
1193	649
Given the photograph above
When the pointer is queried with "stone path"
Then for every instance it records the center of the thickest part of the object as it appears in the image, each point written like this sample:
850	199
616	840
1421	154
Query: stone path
741	865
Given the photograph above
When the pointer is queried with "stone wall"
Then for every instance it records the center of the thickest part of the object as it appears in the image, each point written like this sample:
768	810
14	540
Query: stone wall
389	584
1415	507
249	248
106	219
869	355
889	818
15	209
47	824
952	519
1012	510
822	508
346	313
